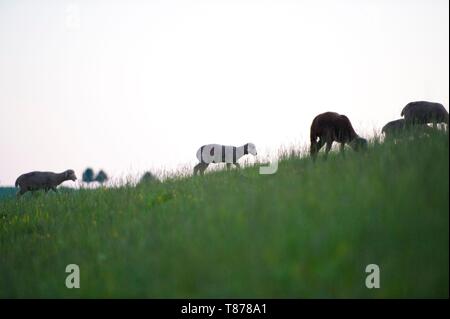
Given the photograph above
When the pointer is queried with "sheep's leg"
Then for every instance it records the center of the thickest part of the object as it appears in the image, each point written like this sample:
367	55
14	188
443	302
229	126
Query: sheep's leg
54	189
320	144
200	167
328	148
315	148
196	168
21	192
228	166
341	149
237	165
203	168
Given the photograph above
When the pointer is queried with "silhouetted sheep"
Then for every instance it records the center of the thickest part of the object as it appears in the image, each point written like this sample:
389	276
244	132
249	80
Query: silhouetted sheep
394	127
216	153
148	178
401	126
423	112
42	180
332	127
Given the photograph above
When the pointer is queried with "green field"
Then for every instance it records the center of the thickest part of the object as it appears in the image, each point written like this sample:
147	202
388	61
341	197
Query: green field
7	192
307	231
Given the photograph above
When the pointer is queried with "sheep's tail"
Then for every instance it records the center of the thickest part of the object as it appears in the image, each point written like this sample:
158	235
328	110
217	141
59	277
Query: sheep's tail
312	132
17	183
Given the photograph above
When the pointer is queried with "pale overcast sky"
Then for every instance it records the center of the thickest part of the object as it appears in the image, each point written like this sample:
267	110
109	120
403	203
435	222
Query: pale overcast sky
134	85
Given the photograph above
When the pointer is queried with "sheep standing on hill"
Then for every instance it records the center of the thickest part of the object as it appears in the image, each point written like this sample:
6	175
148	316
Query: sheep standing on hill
401	126
216	153
422	112
329	127
393	128
42	180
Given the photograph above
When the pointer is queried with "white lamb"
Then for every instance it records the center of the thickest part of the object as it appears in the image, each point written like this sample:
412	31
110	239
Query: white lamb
216	153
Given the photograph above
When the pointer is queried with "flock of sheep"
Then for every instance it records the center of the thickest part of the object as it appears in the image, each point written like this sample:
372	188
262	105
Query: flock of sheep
326	128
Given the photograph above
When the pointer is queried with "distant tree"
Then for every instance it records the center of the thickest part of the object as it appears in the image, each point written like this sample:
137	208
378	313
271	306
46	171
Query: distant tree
88	175
148	178
101	177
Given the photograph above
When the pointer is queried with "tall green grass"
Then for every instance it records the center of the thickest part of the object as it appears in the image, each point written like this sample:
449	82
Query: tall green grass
307	231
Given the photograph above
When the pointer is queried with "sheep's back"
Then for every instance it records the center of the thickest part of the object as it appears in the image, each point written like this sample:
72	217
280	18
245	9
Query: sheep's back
217	154
393	126
332	124
36	179
424	112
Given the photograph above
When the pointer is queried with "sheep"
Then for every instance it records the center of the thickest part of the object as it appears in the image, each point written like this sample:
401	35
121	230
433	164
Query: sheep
397	127
393	128
423	112
148	178
216	153
34	181
329	127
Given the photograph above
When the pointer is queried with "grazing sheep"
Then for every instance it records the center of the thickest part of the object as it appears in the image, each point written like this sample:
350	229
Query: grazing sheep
216	153
422	112
42	180
148	178
329	127
393	128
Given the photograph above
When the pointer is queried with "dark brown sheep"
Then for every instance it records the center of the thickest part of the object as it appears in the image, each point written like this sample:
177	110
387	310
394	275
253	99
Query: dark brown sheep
399	128
423	112
43	180
394	128
332	127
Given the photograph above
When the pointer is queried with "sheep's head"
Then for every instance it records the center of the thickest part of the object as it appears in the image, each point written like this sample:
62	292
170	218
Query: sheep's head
70	175
251	149
358	143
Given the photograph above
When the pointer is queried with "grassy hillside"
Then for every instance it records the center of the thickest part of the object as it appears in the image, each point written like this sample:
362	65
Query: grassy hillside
307	231
7	192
